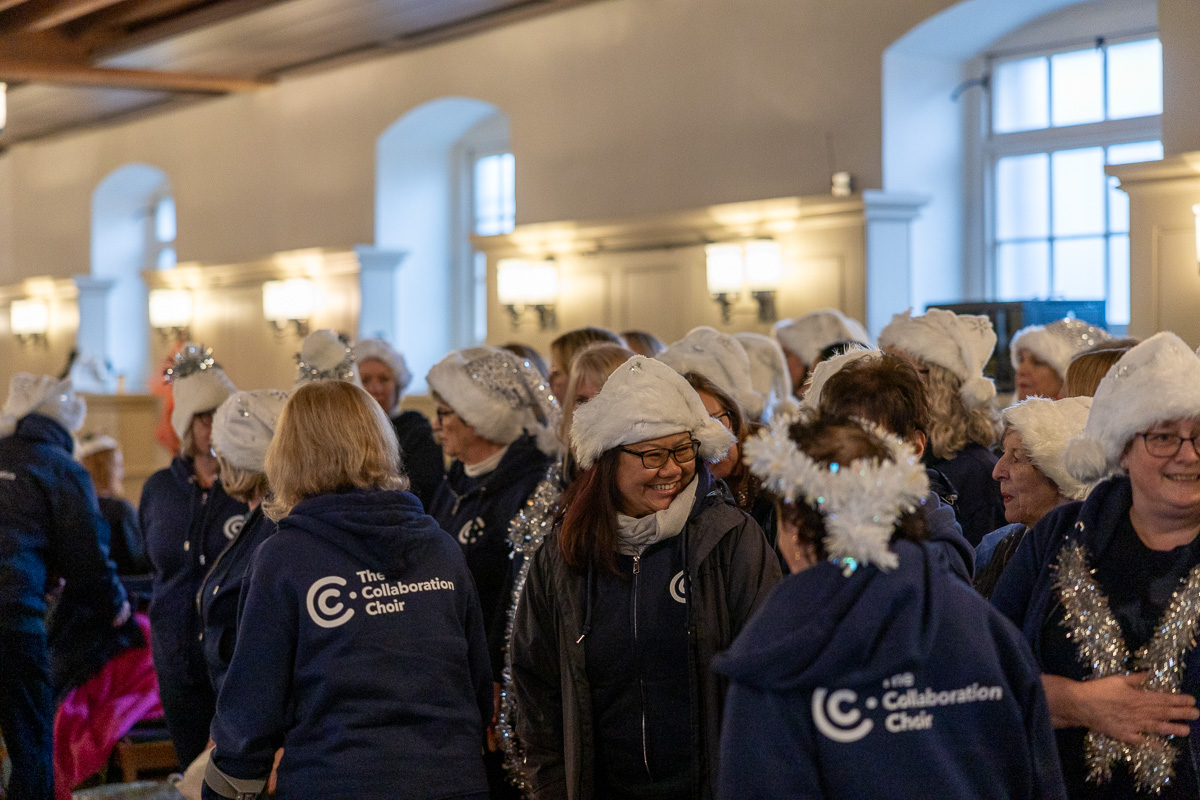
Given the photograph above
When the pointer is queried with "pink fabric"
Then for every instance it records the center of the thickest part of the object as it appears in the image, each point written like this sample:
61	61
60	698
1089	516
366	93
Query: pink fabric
94	716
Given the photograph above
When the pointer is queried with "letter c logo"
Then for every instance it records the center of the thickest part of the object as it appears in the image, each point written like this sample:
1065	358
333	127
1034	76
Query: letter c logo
325	613
835	722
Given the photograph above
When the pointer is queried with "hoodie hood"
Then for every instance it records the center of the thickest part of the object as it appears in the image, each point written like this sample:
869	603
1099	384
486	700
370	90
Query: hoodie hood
858	630
380	528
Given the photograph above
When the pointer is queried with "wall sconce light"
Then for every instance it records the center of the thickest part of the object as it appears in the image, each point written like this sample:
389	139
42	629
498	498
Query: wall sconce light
764	269
522	284
289	302
726	272
3	105
30	320
171	314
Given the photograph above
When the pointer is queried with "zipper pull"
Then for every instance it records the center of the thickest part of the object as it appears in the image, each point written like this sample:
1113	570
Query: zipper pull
637	564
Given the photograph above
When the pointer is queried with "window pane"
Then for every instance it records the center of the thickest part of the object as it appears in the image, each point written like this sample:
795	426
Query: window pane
1079	269
1135	79
164	220
495	194
1023	271
1118	208
1118	280
1079	185
1020	95
1077	87
1022	196
1135	152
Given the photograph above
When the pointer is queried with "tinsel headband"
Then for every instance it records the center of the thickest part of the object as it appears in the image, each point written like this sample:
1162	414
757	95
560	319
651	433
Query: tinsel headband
860	501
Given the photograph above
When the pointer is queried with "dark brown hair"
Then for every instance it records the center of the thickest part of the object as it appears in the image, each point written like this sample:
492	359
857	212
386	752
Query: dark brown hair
566	346
741	481
643	343
588	521
883	389
527	353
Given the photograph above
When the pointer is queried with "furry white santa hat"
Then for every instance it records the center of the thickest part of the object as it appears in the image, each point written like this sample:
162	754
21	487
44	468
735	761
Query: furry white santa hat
644	399
769	373
499	395
827	369
1056	343
1156	381
243	427
381	350
325	355
808	335
198	384
960	343
94	443
45	395
1045	427
720	358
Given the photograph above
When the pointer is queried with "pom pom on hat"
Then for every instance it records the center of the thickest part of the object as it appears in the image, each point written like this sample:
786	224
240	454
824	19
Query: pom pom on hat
644	399
1056	343
960	343
769	373
198	384
45	395
1156	381
719	357
808	335
243	427
325	355
1046	426
382	351
499	395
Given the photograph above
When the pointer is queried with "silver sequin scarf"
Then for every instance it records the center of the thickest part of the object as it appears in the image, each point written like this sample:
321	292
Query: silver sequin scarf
1097	634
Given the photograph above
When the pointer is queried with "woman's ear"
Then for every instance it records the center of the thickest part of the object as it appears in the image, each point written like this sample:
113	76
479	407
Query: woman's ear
918	441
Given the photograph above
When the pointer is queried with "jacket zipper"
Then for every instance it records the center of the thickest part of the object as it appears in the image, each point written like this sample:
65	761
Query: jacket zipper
637	568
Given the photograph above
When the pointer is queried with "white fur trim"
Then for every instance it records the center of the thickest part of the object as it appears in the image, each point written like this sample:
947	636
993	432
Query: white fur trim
827	369
1045	427
1156	381
381	350
243	427
719	357
45	395
769	373
960	343
808	335
644	399
325	355
1056	343
90	445
196	393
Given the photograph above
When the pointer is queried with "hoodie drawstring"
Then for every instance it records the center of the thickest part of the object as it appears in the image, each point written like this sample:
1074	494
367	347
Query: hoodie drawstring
587	605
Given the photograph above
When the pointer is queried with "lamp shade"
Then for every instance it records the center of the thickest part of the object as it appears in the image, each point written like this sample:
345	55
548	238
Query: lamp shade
170	308
293	298
526	283
726	268
29	317
764	265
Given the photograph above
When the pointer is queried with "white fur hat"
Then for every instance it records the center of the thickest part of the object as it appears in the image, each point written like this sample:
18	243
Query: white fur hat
769	373
381	350
325	355
499	395
1057	343
94	443
644	399
720	358
45	395
243	427
198	384
1045	427
827	369
808	335
960	343
1156	381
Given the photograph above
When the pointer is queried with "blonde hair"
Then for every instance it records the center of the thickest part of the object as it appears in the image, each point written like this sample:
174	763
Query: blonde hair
951	425
594	363
242	484
102	467
1088	368
332	435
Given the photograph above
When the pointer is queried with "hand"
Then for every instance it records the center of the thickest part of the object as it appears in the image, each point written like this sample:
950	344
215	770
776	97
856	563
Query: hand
123	615
1119	707
493	741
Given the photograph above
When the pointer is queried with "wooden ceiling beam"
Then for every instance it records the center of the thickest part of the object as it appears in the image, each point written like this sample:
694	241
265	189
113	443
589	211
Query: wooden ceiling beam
142	12
62	12
78	75
5	5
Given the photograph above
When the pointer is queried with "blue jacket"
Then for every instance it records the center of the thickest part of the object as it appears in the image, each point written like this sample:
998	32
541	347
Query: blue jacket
946	537
477	512
978	503
221	593
1026	595
895	684
186	528
361	653
50	525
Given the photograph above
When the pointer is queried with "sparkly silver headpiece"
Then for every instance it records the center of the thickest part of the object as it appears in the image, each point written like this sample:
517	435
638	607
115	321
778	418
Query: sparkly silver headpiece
191	359
326	355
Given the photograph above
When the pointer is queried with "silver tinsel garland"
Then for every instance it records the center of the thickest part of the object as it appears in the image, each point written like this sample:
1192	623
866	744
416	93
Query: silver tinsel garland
1101	646
526	532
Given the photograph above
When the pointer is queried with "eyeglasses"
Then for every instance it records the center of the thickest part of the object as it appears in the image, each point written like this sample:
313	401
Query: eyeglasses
1167	445
657	458
725	418
442	413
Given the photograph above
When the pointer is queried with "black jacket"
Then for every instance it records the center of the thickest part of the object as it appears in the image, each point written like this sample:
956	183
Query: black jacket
420	455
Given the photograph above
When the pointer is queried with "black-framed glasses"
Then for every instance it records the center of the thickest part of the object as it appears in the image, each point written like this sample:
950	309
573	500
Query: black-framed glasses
442	413
1168	445
657	458
725	418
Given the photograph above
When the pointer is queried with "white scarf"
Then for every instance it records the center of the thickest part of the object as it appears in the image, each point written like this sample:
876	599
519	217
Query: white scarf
635	534
485	466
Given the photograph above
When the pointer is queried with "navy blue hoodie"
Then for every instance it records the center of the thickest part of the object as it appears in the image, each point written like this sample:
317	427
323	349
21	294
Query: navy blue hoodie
361	652
884	684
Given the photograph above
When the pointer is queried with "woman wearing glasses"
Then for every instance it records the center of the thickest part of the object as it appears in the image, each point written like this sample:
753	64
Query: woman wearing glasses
648	574
1107	591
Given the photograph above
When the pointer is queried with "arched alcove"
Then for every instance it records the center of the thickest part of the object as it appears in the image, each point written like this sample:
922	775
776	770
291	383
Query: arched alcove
133	229
424	206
